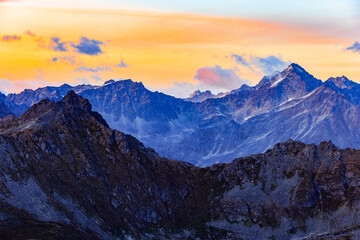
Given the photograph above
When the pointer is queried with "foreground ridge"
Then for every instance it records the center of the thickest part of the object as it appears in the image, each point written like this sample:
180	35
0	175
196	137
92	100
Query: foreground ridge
66	174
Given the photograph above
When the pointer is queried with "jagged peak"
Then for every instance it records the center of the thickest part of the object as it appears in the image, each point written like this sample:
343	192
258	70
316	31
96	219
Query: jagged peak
245	87
293	67
198	92
340	79
340	82
295	70
71	106
263	81
65	85
293	147
292	73
125	82
195	93
76	100
70	99
327	145
32	113
111	81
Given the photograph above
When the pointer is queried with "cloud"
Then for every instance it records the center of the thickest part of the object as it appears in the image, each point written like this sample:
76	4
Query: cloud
355	47
264	65
101	68
241	60
81	81
88	46
219	77
268	65
64	58
94	80
57	45
97	80
29	33
10	38
185	89
181	89
89	69
67	58
121	65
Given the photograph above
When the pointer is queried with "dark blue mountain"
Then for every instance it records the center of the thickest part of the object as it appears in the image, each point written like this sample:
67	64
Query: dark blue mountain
4	108
289	104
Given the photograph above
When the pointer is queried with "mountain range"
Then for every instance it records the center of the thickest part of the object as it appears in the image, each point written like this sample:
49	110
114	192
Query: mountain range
198	96
64	174
289	104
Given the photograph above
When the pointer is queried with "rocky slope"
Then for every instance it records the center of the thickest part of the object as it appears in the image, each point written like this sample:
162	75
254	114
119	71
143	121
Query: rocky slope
4	108
290	104
65	174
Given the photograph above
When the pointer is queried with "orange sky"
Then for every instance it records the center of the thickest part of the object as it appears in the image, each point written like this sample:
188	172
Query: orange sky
159	49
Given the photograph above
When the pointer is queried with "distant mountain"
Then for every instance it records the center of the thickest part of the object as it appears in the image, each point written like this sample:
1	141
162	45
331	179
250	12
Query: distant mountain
4	108
289	104
244	87
64	174
198	96
29	97
349	89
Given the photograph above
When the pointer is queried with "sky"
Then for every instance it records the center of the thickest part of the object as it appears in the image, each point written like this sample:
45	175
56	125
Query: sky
174	46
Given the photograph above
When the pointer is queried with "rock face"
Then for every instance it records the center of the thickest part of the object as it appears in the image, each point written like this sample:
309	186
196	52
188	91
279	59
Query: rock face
4	108
290	104
64	174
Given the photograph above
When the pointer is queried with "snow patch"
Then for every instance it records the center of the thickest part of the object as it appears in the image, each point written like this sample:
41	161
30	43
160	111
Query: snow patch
277	82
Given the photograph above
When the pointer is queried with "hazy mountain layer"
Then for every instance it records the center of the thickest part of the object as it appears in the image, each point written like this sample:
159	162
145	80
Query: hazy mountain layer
291	104
64	174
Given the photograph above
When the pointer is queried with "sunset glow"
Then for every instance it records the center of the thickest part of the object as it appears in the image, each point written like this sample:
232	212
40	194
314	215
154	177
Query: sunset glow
50	46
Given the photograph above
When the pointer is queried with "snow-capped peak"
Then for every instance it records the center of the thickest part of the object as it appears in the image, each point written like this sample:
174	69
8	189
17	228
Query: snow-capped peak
340	82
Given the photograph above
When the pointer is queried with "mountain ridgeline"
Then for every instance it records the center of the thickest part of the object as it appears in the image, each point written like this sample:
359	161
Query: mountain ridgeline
64	174
206	129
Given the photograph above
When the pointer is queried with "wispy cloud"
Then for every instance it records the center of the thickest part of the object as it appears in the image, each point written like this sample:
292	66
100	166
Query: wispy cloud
264	65
88	46
184	89
101	68
241	60
29	33
64	58
57	45
68	58
121	65
89	69
355	47
268	65
94	80
10	38
218	77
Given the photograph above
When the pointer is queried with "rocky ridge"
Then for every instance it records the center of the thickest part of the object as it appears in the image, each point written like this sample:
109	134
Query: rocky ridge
65	174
